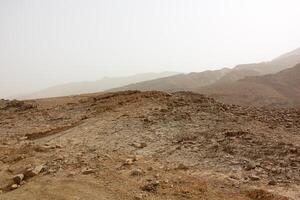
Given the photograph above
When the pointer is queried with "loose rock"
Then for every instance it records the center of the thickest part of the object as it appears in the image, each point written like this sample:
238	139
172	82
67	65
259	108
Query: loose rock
182	166
33	172
254	178
272	182
128	161
249	166
151	187
14	186
136	172
18	178
87	171
139	145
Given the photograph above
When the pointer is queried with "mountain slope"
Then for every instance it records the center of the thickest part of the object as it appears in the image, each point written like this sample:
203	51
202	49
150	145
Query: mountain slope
95	86
282	88
237	74
179	82
280	63
193	81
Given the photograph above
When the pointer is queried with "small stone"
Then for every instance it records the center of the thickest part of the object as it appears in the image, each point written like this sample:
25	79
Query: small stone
288	176
232	176
136	172
51	171
18	178
22	183
138	197
166	181
128	161
137	157
163	110
156	175
139	145
35	171
42	149
182	166
71	174
293	150
38	169
87	171
289	125
13	186
23	138
249	166
254	178
274	170
150	168
146	120
272	182
151	187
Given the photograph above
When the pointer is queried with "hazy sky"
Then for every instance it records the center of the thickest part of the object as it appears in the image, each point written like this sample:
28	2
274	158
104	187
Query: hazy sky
48	42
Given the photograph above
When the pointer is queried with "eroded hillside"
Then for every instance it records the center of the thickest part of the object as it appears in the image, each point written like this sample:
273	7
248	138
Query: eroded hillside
147	145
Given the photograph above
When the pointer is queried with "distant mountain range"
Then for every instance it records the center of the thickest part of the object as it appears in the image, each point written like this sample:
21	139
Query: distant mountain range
244	84
193	81
178	82
261	84
93	86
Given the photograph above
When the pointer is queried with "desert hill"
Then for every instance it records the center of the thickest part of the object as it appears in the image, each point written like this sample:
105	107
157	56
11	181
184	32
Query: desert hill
280	89
93	86
147	145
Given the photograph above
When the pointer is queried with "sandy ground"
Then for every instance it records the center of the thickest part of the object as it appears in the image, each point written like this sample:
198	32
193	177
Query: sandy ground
147	145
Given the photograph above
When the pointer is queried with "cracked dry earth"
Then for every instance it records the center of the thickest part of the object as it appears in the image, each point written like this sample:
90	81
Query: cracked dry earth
147	145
